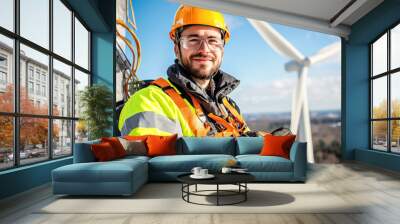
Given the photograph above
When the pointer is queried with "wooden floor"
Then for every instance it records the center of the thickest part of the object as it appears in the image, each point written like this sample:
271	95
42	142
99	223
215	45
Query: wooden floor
377	188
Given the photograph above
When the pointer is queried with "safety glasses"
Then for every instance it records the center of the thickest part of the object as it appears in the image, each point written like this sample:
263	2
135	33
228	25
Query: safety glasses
195	43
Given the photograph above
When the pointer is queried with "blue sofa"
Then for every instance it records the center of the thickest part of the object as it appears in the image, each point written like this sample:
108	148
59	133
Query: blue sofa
125	176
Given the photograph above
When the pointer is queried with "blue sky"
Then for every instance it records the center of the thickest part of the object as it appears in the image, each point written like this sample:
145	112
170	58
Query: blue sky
265	85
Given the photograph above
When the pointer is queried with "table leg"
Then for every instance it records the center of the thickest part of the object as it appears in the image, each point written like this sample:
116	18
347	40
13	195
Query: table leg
182	189
188	189
217	194
196	188
245	191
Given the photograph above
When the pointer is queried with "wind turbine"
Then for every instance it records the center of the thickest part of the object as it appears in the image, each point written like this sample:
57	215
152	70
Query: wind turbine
300	64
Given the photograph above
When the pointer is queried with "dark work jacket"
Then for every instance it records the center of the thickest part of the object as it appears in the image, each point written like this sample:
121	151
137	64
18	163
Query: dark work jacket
211	99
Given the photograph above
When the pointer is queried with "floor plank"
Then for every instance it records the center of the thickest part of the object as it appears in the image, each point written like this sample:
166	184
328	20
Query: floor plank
376	190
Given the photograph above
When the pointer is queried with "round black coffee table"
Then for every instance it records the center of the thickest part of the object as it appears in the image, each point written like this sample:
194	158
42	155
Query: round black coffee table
238	179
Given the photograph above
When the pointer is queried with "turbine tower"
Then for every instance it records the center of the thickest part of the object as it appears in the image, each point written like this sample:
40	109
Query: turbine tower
300	116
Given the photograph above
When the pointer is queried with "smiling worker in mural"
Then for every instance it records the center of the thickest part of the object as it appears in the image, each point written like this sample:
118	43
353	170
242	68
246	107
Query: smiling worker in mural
194	100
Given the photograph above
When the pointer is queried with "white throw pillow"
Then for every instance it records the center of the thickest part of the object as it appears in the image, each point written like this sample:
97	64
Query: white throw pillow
133	147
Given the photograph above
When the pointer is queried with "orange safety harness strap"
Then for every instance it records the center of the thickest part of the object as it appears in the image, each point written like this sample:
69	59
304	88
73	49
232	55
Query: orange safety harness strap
199	128
233	111
235	114
229	128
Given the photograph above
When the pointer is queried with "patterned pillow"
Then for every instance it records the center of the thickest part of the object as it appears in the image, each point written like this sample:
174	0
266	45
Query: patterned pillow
133	147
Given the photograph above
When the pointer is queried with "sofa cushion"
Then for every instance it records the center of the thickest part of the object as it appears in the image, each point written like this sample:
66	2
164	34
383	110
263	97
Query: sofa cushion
206	145
134	147
161	145
103	152
116	145
277	145
83	152
118	177
132	159
97	172
257	163
185	163
249	145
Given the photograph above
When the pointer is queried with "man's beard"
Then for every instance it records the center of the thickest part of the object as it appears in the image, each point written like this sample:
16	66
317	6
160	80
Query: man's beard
200	73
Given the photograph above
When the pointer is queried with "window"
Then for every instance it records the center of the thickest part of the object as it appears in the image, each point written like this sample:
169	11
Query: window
3	61
34	21
41	83
44	91
81	45
385	91
7	14
43	77
62	30
30	72
30	87
37	74
38	89
6	80
3	71
3	78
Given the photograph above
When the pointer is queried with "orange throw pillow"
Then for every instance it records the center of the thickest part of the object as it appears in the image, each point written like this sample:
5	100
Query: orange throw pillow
277	145
116	145
103	152
161	145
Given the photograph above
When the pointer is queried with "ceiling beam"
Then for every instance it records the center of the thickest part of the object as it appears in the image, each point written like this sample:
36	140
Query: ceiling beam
346	12
270	15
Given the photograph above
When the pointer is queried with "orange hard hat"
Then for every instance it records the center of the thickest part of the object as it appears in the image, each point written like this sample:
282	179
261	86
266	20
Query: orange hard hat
190	15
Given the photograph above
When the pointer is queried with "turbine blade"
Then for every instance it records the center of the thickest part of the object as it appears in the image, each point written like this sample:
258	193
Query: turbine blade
276	40
325	53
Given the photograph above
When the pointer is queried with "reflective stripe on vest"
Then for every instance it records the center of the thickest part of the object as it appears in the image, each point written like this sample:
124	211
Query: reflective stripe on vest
150	119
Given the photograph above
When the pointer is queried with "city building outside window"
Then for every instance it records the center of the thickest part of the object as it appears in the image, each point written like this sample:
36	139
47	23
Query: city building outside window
58	128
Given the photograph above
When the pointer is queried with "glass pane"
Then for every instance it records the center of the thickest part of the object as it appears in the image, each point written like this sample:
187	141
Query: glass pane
62	89
6	74
379	55
35	21
395	94
81	45
6	142
379	97
7	14
33	140
81	81
81	131
395	136
379	135
62	141
62	29
395	47
34	97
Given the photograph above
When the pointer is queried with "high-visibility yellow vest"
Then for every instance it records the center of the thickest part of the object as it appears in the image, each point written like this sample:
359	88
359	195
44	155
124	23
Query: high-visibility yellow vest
159	109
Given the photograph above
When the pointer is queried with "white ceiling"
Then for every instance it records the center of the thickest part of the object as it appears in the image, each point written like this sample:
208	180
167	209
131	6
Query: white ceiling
316	15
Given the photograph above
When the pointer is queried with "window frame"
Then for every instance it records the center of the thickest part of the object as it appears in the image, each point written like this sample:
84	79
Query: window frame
388	74
16	114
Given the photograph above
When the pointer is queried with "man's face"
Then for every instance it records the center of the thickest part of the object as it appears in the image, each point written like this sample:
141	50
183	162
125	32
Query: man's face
204	59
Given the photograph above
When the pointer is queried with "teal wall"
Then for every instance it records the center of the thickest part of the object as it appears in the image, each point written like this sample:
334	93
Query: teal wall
99	16
355	86
103	65
24	178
